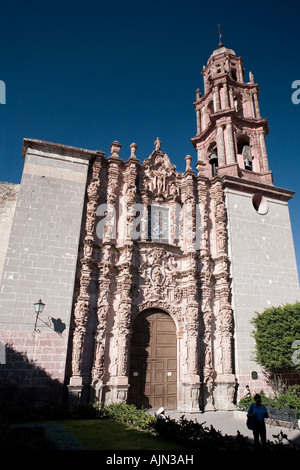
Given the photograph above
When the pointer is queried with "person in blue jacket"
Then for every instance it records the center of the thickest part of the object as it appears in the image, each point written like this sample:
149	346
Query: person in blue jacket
258	411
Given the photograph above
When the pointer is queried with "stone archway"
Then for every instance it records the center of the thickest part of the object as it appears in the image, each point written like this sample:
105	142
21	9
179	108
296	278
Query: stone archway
153	361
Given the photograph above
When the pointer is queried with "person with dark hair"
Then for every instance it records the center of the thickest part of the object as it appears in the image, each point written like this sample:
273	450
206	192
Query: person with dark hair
259	412
247	393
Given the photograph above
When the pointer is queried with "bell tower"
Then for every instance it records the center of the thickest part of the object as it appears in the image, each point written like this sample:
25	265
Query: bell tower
231	133
249	243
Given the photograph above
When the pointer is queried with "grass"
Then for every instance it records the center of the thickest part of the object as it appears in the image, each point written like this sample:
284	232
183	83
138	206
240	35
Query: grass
106	434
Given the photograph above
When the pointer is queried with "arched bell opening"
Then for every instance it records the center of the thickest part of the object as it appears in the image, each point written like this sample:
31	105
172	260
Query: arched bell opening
245	158
213	157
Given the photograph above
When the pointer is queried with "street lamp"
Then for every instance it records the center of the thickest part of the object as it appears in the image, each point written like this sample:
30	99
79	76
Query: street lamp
38	308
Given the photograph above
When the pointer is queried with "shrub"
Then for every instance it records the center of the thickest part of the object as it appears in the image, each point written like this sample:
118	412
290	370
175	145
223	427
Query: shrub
195	435
276	330
290	398
129	414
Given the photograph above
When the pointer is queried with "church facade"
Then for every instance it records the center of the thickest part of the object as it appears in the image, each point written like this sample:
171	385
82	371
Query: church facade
149	277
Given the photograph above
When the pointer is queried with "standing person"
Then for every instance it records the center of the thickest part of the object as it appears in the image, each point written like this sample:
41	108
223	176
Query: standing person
258	411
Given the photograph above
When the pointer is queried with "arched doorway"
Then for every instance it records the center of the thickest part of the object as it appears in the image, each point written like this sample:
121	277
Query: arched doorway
153	361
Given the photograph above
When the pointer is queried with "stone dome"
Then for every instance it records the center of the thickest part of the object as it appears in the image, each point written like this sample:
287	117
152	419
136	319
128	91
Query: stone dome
221	50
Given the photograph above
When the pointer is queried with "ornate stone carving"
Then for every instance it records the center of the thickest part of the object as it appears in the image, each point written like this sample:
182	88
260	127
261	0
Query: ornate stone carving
158	269
192	331
123	336
82	306
159	173
98	369
221	273
81	315
189	281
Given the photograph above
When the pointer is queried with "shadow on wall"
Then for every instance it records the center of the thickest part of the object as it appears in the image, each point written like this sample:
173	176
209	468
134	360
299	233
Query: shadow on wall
23	383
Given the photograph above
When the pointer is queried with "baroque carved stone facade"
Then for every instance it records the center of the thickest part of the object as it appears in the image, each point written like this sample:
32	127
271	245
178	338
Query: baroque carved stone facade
130	262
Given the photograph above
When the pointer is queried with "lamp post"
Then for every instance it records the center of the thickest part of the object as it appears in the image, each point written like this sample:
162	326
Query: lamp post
38	308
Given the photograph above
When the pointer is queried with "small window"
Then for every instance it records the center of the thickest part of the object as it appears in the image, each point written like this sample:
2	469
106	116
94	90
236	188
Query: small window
158	223
260	204
254	375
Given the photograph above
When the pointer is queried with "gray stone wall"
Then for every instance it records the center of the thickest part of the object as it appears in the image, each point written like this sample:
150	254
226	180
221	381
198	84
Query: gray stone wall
263	269
8	199
42	256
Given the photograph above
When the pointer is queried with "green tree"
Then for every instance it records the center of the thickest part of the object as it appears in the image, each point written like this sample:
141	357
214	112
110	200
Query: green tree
277	337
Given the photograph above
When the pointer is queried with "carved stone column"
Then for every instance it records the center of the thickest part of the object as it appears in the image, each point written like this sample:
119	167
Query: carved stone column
98	370
191	379
189	207
225	379
110	230
231	149
190	400
198	116
144	221
257	110
118	383
263	151
81	377
220	146
217	98
226	96
130	194
207	288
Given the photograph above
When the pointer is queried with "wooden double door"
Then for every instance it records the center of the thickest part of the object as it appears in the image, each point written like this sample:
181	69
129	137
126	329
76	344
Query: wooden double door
153	361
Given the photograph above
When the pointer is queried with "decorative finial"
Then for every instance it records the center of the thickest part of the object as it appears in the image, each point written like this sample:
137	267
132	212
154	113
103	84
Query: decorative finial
157	144
133	148
188	160
115	148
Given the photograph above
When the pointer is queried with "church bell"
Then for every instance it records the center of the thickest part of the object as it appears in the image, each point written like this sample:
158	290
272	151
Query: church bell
213	159
248	164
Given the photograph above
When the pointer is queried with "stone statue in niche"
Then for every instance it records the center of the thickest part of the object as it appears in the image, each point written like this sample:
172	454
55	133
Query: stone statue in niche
130	194
226	329
109	231
81	311
174	190
111	196
103	297
124	313
106	254
88	245
157	275
78	338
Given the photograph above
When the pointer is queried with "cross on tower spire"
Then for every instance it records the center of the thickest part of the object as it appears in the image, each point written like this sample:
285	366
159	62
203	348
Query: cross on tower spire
220	33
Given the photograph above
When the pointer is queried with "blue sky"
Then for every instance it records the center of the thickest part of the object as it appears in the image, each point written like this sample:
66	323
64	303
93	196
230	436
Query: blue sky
88	73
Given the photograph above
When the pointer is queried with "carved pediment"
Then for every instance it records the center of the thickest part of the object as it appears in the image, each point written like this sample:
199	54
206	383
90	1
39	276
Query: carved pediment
160	178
